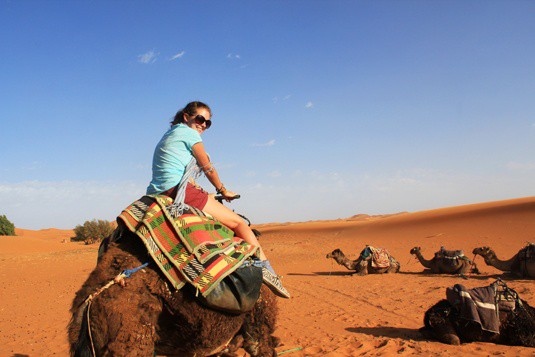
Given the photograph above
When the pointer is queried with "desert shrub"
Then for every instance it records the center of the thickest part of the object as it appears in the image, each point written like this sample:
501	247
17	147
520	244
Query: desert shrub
93	231
6	227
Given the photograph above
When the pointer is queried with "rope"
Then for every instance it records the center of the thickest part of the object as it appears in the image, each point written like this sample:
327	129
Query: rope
120	277
290	350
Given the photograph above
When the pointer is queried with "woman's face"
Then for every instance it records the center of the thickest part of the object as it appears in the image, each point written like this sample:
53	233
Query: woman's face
196	121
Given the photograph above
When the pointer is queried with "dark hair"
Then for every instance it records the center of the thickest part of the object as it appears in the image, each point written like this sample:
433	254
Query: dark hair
190	109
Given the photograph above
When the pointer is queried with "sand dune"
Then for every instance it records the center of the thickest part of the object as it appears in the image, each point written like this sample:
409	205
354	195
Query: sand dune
331	313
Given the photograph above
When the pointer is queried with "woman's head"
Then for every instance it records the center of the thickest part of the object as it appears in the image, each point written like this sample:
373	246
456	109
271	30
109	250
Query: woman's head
196	115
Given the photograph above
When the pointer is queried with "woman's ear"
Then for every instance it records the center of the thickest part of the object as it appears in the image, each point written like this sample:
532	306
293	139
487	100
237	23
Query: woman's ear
184	118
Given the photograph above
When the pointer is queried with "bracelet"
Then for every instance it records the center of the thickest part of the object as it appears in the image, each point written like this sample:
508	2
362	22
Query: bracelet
222	189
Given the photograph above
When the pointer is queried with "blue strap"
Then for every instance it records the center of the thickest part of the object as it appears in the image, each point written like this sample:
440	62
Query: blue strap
128	272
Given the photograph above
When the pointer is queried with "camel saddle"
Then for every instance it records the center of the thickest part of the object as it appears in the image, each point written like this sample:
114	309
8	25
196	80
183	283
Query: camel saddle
196	249
450	257
380	256
482	305
527	253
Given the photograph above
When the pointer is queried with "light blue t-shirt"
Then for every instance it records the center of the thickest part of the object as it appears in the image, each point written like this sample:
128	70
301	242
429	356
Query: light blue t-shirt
171	156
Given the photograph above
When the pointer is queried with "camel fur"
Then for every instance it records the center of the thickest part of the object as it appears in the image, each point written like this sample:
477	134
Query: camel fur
522	268
145	317
442	265
362	266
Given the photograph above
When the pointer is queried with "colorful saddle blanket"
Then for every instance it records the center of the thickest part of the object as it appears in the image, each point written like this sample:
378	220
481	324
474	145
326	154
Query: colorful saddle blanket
193	247
380	256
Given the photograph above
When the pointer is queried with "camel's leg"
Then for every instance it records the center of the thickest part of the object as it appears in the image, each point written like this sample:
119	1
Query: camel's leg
123	322
466	268
362	268
394	267
259	324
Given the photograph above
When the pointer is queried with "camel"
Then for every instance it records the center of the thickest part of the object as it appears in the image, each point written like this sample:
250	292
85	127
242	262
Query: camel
444	323
145	317
446	262
521	264
364	264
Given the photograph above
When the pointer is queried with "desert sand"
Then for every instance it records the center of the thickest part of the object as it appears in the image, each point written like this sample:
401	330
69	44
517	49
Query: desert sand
331	312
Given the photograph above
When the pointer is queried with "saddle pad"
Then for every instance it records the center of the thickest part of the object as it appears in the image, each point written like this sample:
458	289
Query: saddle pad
380	257
192	248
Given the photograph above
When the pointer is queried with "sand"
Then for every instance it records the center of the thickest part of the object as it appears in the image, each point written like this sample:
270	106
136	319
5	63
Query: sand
330	314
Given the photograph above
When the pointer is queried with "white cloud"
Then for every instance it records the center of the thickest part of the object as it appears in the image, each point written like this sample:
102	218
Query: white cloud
512	165
65	204
178	55
274	174
277	99
233	56
309	105
149	57
269	143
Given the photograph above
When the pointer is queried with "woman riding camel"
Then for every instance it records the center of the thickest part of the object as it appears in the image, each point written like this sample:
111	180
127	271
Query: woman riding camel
179	154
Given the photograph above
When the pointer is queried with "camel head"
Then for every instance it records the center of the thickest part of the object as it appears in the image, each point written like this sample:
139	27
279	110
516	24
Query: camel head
415	250
335	253
483	251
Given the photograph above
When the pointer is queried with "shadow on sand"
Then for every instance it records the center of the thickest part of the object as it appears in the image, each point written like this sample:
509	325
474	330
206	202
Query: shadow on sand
323	273
427	274
390	332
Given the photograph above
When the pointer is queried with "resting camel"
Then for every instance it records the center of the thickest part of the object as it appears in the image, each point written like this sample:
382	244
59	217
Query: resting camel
443	322
363	265
146	318
446	262
521	264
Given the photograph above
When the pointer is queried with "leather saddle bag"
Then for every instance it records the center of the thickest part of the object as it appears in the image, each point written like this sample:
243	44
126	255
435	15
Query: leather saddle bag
237	293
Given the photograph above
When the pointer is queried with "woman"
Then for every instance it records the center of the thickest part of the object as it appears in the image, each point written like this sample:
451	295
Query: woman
173	163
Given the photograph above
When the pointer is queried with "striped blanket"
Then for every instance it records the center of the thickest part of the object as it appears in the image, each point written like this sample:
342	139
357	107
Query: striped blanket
193	248
478	305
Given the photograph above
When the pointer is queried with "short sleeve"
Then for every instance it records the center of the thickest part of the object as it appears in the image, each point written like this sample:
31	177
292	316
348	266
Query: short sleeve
191	138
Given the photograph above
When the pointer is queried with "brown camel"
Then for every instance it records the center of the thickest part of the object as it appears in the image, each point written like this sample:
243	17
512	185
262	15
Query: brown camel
364	264
145	317
444	322
521	264
446	262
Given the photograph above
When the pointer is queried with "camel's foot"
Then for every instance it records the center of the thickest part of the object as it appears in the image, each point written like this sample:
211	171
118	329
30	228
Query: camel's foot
275	341
448	338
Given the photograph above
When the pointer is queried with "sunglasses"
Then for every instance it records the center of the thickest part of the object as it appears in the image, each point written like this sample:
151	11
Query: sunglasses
199	119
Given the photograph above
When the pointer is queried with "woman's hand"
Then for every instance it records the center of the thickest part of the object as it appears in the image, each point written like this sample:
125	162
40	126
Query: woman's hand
229	195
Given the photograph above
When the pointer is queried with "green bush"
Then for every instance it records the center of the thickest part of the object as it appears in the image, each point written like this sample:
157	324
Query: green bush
6	227
93	231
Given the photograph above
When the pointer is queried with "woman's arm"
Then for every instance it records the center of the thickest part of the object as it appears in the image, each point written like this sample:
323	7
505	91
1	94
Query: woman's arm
209	170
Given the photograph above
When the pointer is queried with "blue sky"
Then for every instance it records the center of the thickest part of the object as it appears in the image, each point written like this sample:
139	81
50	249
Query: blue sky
322	109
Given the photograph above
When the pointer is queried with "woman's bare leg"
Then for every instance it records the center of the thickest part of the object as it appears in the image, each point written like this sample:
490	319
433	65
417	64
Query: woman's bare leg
234	222
242	230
